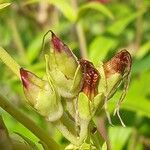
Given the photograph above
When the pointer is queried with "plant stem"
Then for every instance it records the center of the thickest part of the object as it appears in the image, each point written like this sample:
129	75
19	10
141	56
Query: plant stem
80	33
81	39
139	24
75	140
83	130
10	62
17	39
28	123
65	132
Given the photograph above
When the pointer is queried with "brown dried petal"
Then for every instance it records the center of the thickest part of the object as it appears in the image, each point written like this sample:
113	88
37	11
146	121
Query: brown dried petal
90	78
120	63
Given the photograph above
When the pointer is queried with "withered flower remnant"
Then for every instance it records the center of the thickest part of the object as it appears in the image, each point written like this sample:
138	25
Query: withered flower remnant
116	70
120	63
91	78
89	98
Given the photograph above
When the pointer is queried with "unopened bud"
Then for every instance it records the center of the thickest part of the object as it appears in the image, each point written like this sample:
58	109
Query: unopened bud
65	59
63	68
41	96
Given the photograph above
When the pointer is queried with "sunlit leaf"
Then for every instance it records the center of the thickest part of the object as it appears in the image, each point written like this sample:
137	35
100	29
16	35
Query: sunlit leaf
65	7
9	62
28	2
142	65
118	137
5	142
104	147
118	27
136	99
3	5
44	145
95	6
31	144
145	48
99	48
34	49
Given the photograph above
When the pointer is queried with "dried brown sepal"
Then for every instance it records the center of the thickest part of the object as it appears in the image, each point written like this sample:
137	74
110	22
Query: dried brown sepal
25	75
90	78
59	46
120	63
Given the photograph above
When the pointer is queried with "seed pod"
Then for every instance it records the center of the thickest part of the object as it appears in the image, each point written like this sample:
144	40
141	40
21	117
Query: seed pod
41	96
65	59
63	68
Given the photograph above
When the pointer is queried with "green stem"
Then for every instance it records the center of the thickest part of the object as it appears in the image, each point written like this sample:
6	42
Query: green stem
96	137
70	107
80	33
28	123
65	132
9	62
77	141
69	123
5	142
139	24
16	37
81	39
83	130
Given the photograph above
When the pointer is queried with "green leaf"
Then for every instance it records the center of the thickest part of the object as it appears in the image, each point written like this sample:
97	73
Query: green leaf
44	145
140	66
118	137
9	62
104	147
34	48
3	5
94	6
65	7
31	144
136	99
5	142
28	2
118	27
99	48
144	49
83	107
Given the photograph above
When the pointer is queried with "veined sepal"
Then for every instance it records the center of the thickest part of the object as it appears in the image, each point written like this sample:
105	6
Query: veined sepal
68	88
86	107
41	95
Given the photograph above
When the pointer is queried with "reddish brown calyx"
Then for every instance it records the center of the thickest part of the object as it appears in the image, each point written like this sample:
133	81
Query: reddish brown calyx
90	79
59	46
120	63
25	77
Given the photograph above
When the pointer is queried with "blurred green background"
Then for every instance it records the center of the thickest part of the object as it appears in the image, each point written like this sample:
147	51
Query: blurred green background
93	29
